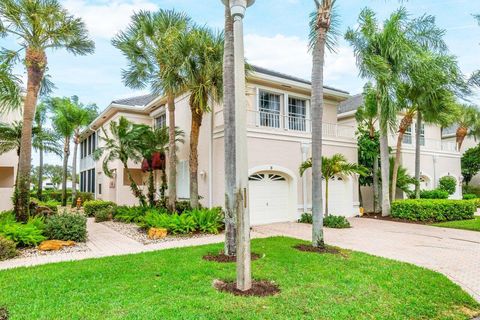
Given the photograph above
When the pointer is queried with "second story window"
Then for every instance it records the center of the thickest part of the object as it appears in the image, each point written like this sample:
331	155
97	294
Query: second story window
407	137
297	112
161	121
269	109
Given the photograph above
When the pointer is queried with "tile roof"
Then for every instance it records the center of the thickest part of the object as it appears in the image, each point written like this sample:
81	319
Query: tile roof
351	103
137	101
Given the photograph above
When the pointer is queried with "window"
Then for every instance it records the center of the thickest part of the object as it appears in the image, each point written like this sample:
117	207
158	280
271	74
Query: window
269	108
297	111
407	138
422	135
161	121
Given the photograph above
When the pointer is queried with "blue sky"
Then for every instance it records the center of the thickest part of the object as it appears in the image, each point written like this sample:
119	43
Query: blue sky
276	33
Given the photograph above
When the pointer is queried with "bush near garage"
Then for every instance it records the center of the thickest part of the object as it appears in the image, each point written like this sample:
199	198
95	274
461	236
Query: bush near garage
433	210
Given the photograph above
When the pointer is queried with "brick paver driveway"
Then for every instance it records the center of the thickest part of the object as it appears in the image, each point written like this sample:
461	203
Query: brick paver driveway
455	253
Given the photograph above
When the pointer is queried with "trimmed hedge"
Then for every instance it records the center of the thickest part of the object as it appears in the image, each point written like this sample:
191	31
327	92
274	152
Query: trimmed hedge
434	194
433	210
91	207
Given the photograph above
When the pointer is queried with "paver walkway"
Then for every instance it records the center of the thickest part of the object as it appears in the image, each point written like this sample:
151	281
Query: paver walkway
455	253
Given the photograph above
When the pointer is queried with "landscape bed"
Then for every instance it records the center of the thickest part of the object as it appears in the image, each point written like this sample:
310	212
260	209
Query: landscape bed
178	284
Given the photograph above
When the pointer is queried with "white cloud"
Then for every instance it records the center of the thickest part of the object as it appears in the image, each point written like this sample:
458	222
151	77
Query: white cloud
106	18
290	55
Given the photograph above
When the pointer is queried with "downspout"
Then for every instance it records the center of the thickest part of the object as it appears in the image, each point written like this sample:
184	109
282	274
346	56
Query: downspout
305	148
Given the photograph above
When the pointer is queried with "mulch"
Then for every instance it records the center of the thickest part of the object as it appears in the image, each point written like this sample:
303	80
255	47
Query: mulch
223	258
378	216
310	248
260	288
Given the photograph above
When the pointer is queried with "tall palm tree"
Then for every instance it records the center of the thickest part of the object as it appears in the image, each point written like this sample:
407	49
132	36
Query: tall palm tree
382	53
155	59
229	133
323	34
122	145
204	74
332	166
39	25
468	117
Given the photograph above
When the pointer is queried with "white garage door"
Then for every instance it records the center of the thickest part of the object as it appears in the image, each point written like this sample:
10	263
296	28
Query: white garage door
340	195
269	198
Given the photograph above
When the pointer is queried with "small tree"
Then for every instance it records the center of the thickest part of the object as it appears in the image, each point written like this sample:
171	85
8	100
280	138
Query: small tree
448	183
471	163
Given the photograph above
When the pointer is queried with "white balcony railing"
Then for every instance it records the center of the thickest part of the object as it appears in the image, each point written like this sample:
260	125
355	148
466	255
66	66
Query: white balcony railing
426	144
274	121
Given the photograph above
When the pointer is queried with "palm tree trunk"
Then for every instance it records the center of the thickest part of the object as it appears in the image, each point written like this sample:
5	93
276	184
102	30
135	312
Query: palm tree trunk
40	173
36	62
460	136
385	173
326	196
66	153
417	154
376	196
133	185
404	124
193	163
151	189
229	134
317	115
172	155
74	168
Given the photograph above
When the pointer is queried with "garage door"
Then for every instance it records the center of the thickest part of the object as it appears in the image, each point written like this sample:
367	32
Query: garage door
340	194
269	198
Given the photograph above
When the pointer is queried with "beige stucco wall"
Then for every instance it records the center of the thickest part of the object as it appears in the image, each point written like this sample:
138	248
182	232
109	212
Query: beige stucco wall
468	143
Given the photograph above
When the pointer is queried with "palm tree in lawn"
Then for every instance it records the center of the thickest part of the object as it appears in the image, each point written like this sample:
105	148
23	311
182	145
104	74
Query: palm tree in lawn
204	74
323	33
39	25
367	118
468	117
382	53
122	145
333	166
154	58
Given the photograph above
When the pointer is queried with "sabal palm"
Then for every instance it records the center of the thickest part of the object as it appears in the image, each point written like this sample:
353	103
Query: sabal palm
38	25
121	143
382	53
204	81
332	166
322	34
154	58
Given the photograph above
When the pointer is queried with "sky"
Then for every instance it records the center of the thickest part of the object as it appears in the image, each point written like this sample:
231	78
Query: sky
276	37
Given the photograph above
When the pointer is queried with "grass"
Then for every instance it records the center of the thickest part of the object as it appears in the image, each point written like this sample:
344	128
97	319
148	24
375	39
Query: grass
473	224
177	284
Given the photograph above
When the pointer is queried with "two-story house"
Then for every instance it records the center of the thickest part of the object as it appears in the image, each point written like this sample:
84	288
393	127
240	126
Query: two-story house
279	139
438	158
8	166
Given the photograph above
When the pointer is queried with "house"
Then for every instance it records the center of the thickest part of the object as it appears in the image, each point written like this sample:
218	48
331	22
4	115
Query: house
279	139
8	166
438	157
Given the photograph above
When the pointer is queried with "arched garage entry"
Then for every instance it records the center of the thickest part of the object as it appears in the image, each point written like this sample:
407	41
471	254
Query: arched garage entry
272	195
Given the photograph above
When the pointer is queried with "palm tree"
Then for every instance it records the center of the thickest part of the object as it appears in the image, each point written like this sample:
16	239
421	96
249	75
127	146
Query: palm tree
204	81
323	34
123	146
382	54
10	92
404	180
468	117
332	166
154	57
39	25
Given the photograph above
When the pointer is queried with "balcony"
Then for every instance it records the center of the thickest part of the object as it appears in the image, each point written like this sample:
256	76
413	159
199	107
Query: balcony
425	144
276	122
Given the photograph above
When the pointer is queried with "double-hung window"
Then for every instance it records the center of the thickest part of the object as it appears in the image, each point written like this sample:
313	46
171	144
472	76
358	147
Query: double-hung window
297	112
407	137
269	109
161	121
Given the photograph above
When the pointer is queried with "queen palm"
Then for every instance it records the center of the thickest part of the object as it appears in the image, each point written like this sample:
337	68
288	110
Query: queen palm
154	58
121	145
323	34
333	166
204	81
382	53
38	25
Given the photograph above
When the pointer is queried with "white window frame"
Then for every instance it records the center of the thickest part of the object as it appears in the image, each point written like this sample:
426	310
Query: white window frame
299	116
161	115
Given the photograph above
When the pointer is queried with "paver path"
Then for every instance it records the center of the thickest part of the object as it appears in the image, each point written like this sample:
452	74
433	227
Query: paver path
455	253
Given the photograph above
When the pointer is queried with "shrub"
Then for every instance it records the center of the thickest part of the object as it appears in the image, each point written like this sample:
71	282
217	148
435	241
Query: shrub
129	214
338	222
66	227
23	234
448	183
434	194
85	196
469	196
306	218
182	206
174	223
93	206
207	220
433	210
8	249
471	189
103	215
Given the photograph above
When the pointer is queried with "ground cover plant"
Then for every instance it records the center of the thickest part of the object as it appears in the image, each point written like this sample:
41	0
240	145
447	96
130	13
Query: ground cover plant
471	224
177	284
22	234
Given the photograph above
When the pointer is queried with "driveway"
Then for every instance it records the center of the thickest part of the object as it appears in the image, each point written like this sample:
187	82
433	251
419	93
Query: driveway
455	253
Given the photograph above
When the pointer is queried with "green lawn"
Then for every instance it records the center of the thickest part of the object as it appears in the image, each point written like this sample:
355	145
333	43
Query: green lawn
473	224
177	284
